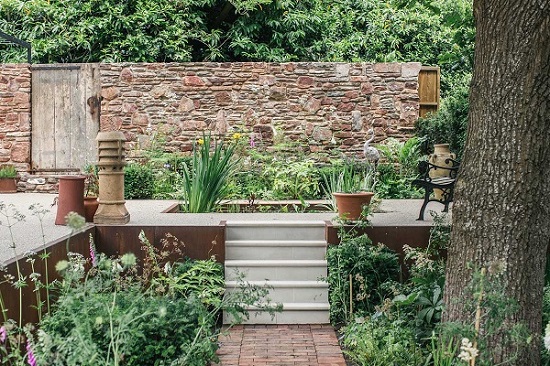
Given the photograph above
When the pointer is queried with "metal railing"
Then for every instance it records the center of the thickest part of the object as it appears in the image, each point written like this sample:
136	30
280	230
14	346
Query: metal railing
18	42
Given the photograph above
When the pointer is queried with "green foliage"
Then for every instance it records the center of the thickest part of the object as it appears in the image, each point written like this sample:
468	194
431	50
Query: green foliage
382	342
106	316
91	326
450	123
8	171
108	31
139	181
292	179
399	169
283	172
431	32
205	183
368	266
105	312
489	307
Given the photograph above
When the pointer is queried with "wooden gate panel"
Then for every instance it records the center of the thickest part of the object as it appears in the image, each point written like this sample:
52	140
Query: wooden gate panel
64	123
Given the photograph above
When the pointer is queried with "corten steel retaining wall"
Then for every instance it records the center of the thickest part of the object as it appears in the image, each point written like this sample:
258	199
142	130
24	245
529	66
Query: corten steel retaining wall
199	242
324	106
15	115
10	296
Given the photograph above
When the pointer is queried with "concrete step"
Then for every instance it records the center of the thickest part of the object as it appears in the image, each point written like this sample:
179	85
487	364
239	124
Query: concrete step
289	291
293	313
275	249
276	270
275	230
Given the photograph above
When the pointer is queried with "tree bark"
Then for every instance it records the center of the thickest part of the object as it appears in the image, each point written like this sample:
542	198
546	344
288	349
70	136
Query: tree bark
502	196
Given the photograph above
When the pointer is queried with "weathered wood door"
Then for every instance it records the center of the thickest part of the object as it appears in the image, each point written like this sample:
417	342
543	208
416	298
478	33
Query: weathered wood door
428	90
65	116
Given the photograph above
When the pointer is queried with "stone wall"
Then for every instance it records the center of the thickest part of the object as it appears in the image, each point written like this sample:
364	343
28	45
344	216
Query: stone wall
321	105
15	115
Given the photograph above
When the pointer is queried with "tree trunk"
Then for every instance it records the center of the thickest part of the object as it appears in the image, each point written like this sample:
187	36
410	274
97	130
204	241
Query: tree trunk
501	210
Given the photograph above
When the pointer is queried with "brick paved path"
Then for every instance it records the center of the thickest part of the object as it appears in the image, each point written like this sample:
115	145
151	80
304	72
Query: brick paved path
282	345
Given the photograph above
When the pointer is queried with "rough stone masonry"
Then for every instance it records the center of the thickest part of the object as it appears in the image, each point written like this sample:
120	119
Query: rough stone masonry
323	106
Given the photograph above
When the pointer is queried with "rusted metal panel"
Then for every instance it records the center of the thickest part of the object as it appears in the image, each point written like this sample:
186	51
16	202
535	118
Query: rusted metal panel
199	242
79	243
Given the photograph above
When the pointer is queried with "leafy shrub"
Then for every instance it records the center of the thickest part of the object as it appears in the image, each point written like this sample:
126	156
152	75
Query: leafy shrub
399	168
450	123
392	185
167	169
369	266
294	179
139	181
421	299
382	342
106	317
144	329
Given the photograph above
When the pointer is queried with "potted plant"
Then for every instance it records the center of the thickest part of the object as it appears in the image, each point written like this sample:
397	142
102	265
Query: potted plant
8	183
352	187
91	191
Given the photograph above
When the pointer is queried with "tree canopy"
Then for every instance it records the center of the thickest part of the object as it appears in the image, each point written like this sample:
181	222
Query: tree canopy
432	32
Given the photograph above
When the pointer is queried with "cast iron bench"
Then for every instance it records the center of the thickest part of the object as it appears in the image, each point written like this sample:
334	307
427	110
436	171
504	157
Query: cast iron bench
445	183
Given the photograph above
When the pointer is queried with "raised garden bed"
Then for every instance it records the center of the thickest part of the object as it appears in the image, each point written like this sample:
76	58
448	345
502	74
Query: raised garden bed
286	206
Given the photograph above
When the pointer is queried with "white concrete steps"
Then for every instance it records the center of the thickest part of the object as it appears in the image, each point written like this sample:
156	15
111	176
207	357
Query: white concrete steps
275	249
314	292
287	257
275	230
276	270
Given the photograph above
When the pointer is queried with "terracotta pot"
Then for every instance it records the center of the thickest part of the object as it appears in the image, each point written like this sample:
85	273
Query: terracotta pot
90	207
8	185
71	193
350	205
440	154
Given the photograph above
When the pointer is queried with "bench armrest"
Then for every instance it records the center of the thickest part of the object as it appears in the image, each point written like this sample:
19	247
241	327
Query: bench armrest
425	167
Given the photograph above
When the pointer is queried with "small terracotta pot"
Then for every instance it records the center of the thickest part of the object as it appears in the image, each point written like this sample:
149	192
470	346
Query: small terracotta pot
8	185
350	205
71	193
90	207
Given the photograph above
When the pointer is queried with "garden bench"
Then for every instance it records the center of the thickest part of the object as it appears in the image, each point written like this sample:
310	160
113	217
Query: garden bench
444	183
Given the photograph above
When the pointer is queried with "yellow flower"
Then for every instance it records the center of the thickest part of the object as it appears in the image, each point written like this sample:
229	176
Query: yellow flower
236	136
200	141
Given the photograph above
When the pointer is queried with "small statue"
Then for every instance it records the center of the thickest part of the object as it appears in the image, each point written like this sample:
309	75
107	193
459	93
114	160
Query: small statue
371	153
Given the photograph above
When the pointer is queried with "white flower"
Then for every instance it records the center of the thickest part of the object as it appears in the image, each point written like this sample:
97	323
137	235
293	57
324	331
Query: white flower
467	350
547	337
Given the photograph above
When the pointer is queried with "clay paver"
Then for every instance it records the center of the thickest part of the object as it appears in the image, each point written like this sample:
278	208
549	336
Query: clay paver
284	345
